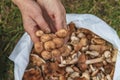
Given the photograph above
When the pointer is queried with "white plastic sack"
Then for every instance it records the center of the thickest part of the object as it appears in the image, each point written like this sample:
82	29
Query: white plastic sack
20	54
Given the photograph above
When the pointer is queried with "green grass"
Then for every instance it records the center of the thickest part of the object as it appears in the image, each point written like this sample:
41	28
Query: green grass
11	28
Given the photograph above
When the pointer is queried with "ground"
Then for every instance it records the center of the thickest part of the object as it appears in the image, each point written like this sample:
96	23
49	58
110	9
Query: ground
11	28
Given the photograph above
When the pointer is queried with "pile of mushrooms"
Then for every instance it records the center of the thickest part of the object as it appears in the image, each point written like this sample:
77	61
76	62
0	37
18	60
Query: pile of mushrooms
85	56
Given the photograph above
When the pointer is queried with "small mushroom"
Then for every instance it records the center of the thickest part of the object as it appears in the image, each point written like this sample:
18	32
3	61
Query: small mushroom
112	73
108	60
107	54
95	72
55	53
33	74
62	33
74	40
93	53
58	42
102	76
62	77
83	42
80	35
53	36
39	33
86	75
69	70
108	77
108	68
73	61
81	62
74	74
102	69
114	55
45	38
104	62
46	55
99	48
66	52
38	46
36	60
49	45
92	68
84	48
63	62
76	69
94	78
95	60
62	49
69	78
70	47
98	41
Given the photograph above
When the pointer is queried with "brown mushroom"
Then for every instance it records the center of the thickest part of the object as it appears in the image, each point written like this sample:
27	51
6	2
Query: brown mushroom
95	72
33	74
49	45
81	62
46	55
56	55
62	77
99	48
92	53
86	75
45	38
58	42
74	39
39	33
66	52
98	41
62	33
38	46
36	60
83	42
114	55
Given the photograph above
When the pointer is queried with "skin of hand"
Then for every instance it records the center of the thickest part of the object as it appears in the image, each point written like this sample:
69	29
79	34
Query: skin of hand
47	15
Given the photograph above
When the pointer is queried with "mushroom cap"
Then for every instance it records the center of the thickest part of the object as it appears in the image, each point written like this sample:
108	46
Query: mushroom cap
36	60
59	42
49	45
46	55
45	38
39	33
38	46
62	33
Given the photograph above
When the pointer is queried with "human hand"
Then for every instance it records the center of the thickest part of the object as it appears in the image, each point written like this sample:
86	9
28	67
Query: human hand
55	10
34	17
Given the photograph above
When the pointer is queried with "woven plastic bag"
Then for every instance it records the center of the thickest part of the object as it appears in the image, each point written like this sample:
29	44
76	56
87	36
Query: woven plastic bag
20	54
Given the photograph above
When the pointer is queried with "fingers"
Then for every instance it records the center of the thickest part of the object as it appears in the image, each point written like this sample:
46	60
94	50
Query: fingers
41	23
60	20
30	27
60	23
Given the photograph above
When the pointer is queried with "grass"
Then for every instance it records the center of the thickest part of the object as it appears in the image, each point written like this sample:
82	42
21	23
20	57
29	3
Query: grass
11	28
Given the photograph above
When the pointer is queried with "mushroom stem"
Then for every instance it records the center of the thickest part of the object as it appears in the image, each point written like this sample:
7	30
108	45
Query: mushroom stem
95	72
93	53
93	61
108	77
